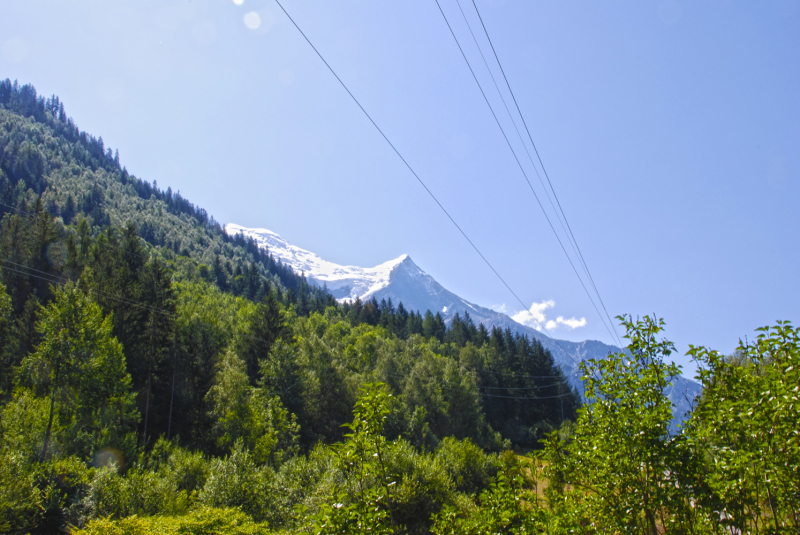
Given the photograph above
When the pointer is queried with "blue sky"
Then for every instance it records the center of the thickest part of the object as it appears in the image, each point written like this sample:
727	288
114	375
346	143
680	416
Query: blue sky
670	130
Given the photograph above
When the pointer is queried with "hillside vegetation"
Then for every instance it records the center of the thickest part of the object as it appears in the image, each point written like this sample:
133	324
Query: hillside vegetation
160	376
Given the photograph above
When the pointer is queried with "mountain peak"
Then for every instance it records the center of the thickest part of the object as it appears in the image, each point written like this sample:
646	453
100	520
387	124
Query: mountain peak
345	283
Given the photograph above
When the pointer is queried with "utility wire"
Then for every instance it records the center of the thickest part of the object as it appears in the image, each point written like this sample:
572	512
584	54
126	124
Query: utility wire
520	376
422	183
560	216
510	146
520	397
547	176
55	279
511	118
522	387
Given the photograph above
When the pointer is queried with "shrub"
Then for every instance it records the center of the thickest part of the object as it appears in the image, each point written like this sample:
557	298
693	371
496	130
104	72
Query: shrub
204	521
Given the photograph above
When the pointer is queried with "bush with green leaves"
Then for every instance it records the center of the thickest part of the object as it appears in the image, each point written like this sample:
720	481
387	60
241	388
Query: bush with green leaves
746	429
204	521
20	499
468	466
237	481
362	457
506	507
621	472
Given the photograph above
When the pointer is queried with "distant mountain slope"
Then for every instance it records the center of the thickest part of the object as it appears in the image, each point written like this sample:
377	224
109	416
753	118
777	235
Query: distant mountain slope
402	281
45	157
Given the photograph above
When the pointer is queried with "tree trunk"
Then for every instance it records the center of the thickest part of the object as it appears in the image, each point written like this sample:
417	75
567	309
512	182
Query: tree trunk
171	397
149	379
50	422
146	409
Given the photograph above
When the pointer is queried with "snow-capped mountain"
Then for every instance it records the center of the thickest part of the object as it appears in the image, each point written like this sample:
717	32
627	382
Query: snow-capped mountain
343	282
402	281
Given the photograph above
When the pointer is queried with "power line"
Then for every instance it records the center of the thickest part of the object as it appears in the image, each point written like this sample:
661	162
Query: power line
118	247
536	387
560	216
422	183
544	170
520	376
516	158
520	397
55	279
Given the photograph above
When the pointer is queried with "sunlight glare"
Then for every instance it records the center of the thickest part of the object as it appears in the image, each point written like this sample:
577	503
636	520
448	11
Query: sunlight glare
252	20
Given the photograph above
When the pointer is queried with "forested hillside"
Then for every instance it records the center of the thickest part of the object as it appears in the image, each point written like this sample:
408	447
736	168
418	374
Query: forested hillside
160	376
215	345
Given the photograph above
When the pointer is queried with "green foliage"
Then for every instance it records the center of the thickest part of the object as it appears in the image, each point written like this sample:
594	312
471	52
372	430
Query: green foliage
621	463
236	481
204	521
247	414
422	486
23	423
506	507
367	515
81	366
165	482
6	338
468	467
20	499
745	428
363	454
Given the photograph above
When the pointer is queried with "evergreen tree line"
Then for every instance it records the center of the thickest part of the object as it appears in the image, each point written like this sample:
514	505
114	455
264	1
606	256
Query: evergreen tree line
45	157
91	152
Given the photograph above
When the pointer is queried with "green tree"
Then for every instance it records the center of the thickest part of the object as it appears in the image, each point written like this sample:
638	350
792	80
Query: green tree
82	367
506	507
745	430
267	326
622	460
242	413
6	337
158	297
363	454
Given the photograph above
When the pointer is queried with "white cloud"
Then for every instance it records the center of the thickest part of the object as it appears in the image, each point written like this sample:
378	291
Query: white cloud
535	317
572	323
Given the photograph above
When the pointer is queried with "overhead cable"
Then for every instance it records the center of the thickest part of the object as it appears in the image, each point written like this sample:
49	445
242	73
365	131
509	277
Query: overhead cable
422	183
541	163
522	169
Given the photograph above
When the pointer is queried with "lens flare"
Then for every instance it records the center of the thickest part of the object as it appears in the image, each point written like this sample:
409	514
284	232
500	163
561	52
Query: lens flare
57	254
252	20
109	457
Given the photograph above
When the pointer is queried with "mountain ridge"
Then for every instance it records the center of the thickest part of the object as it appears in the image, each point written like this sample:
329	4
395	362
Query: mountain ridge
403	281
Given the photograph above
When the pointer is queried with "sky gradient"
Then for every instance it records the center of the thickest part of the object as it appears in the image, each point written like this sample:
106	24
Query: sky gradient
670	131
